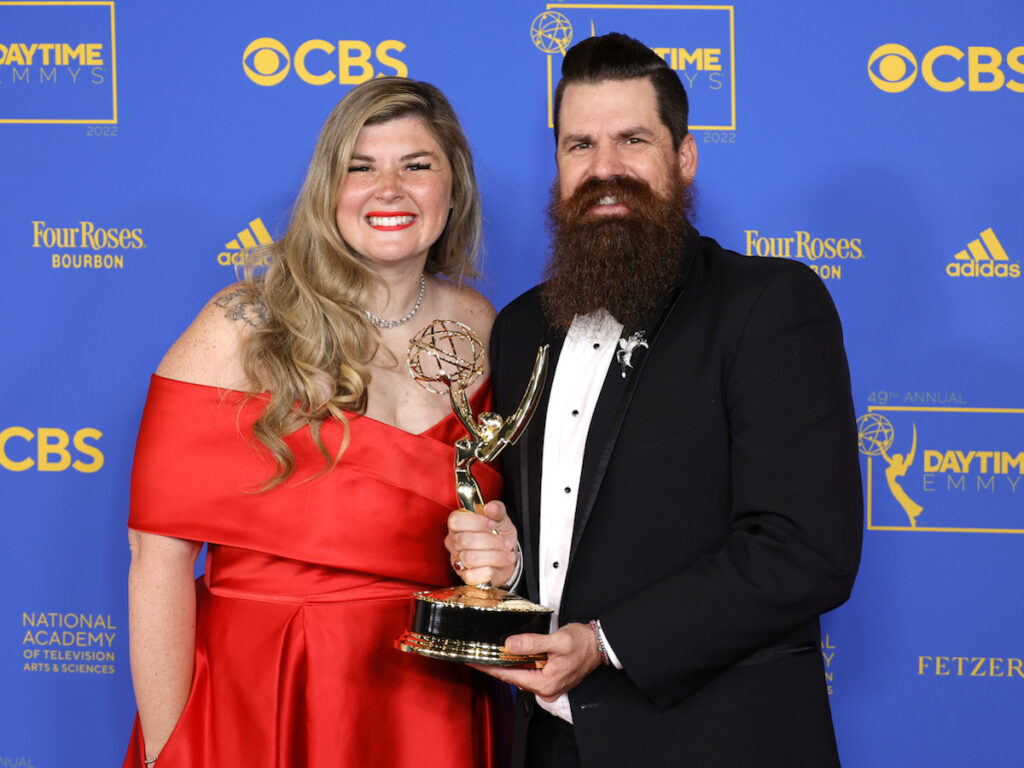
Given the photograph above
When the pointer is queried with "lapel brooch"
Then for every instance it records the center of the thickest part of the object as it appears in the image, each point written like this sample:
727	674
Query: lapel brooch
624	354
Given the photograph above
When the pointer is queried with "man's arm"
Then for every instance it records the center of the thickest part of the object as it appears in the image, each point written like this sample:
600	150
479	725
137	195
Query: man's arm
796	513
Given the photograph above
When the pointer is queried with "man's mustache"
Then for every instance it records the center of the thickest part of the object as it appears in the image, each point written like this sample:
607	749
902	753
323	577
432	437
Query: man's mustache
624	191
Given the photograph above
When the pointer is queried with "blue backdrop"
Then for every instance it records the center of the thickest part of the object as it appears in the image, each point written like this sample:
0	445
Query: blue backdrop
142	145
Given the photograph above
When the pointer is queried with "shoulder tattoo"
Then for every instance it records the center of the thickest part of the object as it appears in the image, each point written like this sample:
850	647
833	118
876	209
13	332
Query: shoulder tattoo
250	311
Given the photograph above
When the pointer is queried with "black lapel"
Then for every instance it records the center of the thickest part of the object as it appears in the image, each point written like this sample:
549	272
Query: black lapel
531	454
613	404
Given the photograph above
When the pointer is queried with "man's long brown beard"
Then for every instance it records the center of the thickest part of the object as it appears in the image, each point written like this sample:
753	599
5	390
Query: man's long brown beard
624	264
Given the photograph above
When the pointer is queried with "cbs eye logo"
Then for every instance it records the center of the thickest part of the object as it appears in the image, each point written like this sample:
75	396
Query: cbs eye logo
896	68
893	68
266	61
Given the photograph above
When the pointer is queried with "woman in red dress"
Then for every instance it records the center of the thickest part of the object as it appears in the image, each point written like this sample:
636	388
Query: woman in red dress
284	429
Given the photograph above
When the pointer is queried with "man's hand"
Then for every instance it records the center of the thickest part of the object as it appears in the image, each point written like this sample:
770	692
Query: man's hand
482	547
572	655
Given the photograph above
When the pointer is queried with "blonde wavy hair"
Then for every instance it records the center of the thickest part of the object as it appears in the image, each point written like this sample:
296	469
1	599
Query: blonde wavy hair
315	285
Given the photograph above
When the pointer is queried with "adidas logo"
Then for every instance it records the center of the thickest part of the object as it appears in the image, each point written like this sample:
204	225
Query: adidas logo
976	261
252	236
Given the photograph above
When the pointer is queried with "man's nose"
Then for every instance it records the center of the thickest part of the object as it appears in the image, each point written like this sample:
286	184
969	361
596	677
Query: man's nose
607	163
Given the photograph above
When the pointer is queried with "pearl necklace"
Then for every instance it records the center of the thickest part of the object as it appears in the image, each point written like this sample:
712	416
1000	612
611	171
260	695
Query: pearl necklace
382	323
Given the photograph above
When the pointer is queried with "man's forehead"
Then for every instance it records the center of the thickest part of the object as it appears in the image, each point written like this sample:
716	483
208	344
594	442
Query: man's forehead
626	101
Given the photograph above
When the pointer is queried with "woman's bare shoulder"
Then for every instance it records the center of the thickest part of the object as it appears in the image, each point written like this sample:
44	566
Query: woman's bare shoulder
469	306
208	352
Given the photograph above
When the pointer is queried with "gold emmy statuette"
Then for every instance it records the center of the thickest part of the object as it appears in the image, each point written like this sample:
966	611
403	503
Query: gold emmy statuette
467	623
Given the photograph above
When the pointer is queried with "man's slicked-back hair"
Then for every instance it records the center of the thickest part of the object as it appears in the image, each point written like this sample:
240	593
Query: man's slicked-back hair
619	57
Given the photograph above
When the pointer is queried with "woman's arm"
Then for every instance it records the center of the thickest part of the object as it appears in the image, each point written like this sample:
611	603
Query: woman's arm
161	591
162	627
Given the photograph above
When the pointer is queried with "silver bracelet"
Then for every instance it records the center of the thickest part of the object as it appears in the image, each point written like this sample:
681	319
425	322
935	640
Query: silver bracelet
596	626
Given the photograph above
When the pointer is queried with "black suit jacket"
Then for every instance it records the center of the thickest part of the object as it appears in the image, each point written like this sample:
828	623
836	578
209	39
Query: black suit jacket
719	515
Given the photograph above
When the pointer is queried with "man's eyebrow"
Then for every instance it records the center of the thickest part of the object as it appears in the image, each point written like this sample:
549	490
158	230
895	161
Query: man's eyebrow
576	138
625	133
638	130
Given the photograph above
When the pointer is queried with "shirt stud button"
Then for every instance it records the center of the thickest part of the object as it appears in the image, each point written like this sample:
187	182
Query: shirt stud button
568	489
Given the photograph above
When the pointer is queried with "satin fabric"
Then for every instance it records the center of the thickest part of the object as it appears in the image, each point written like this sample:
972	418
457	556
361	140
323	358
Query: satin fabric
307	587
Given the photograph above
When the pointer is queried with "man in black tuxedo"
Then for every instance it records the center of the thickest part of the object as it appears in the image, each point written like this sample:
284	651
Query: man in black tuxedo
687	497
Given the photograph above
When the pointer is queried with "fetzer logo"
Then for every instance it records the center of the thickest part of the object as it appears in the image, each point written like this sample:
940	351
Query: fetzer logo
984	257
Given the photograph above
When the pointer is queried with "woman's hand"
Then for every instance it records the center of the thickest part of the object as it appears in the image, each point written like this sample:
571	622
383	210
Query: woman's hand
483	547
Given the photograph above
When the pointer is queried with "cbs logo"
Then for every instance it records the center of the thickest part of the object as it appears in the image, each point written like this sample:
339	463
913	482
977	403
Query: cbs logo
267	62
893	68
51	452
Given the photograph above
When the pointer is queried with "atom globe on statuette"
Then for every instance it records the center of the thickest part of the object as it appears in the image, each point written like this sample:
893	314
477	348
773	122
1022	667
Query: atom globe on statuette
471	623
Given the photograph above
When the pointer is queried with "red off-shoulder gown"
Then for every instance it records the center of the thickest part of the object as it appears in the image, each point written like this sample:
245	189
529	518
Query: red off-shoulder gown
306	589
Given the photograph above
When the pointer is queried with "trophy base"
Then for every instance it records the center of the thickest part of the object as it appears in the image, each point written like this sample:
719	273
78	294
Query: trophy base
471	624
466	651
